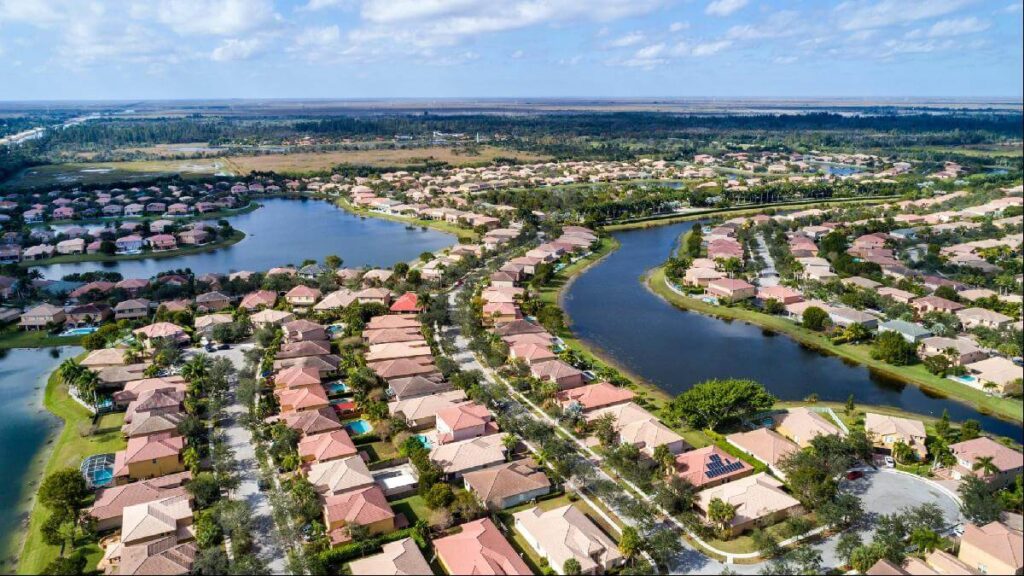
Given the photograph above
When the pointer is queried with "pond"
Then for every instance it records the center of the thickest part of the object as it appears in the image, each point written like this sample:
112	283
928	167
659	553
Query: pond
26	428
288	231
673	349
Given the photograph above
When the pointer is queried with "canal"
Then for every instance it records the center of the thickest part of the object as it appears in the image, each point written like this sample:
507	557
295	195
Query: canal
674	349
288	231
27	426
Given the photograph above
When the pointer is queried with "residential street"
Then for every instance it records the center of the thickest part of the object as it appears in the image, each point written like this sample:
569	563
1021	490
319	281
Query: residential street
248	490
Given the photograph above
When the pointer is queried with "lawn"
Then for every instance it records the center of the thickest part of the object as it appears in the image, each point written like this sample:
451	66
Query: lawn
12	337
860	353
413	507
68	451
381	450
743	543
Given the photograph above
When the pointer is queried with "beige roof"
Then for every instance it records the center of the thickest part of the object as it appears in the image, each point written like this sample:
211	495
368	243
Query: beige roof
269	316
425	406
497	483
111	502
596	395
104	357
638	426
164	556
765	444
566	533
996	369
997	540
803	425
754	497
479	452
212	320
883	424
341	475
340	298
1003	457
160	517
160	330
400	558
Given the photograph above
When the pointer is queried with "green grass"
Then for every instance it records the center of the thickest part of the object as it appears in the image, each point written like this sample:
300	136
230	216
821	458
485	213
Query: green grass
743	543
12	337
413	507
68	451
236	237
1007	408
381	450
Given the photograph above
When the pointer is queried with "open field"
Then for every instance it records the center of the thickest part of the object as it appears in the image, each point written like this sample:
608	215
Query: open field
68	451
12	337
104	173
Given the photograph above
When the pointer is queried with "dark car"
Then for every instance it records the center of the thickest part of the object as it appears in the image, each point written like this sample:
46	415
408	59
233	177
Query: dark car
854	475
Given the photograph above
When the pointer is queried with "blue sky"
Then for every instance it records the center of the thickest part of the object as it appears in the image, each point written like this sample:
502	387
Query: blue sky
153	49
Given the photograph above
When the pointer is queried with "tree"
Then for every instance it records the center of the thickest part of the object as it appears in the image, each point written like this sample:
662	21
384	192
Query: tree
806	559
721	514
970	430
985	465
843	510
509	442
815	318
572	566
439	496
333	261
942	427
664	458
774	307
204	488
630	543
716	402
979	503
64	492
847	543
903	453
604	429
925	540
891	348
850	407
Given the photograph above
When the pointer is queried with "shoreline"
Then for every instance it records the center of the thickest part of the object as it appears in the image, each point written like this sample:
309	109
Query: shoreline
1001	408
219	214
236	237
459	233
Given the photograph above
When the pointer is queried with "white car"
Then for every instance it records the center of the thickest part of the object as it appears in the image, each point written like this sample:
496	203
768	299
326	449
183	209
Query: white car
889	462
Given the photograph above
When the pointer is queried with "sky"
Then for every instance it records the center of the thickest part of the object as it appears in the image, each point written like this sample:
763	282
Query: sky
180	49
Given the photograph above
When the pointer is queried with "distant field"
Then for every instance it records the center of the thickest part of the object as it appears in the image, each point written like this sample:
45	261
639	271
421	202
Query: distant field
981	151
103	173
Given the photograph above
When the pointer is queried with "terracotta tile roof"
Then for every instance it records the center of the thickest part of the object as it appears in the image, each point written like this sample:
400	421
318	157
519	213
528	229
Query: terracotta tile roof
160	517
341	475
327	446
998	541
764	444
479	548
495	484
312	421
295	376
754	497
400	558
1004	458
110	502
596	395
363	506
694	465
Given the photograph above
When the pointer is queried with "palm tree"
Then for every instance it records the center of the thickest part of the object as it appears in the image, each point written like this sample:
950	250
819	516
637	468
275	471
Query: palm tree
509	441
69	371
664	458
196	368
134	352
190	458
985	464
86	385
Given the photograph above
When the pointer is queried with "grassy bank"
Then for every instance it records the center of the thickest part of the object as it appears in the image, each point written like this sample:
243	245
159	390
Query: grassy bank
12	337
463	234
663	219
76	440
1003	407
236	237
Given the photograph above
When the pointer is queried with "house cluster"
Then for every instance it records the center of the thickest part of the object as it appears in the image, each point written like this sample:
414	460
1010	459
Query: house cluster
910	296
994	548
130	220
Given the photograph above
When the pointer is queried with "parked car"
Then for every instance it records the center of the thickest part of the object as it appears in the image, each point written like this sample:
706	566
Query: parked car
889	462
854	475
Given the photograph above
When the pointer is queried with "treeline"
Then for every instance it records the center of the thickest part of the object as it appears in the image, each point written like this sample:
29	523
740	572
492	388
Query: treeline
946	129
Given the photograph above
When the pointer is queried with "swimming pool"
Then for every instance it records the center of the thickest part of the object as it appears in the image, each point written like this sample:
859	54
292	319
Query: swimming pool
359	427
98	470
424	441
79	331
336	388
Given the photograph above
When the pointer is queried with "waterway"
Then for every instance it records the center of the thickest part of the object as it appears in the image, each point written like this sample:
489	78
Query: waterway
27	427
674	349
288	231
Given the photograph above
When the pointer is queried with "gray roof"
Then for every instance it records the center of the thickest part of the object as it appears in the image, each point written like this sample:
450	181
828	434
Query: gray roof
908	328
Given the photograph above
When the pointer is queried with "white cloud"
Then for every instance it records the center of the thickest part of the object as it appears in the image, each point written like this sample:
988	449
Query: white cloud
724	7
631	39
678	26
778	25
517	54
784	59
236	49
859	14
314	5
957	27
710	48
218	17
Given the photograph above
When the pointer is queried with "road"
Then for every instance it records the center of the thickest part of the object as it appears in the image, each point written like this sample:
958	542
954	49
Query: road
240	440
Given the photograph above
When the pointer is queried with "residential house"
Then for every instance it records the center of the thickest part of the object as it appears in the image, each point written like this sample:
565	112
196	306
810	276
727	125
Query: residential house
710	466
997	374
108	507
149	457
910	331
886	431
731	289
994	548
464	421
759	500
400	558
981	317
367	507
567	533
562	374
458	458
421	412
509	484
1008	463
594	396
479	548
801	425
637	426
42	317
960	350
326	447
339	475
766	445
302	296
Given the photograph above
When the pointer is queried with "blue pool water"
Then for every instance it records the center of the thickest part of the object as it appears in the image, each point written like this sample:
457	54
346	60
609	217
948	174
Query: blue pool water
359	427
424	441
102	477
79	331
969	380
336	388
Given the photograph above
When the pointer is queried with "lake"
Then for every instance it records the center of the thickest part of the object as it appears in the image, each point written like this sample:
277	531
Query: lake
673	349
26	427
288	231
